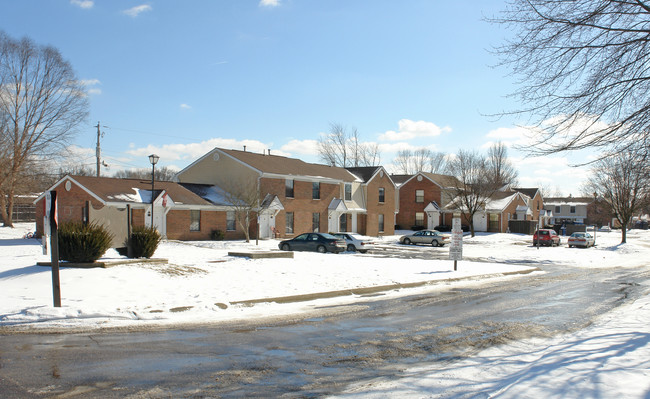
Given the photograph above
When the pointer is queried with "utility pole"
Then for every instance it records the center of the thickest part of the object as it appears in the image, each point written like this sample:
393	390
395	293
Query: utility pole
98	151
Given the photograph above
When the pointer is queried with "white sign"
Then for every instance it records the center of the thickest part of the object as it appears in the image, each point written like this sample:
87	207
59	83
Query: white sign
456	245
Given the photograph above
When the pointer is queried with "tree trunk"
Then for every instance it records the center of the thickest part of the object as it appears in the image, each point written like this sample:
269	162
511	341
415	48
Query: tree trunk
3	211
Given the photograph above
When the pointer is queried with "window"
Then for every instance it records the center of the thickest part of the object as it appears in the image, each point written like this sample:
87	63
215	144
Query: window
557	209
382	193
195	220
348	191
538	205
289	223
419	218
288	188
231	225
315	221
573	209
419	196
315	190
381	223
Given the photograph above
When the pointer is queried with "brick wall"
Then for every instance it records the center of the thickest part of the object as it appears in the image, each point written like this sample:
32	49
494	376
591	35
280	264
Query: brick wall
70	205
375	208
407	205
302	205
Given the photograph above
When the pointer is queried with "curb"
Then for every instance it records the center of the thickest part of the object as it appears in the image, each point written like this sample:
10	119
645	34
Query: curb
372	290
104	264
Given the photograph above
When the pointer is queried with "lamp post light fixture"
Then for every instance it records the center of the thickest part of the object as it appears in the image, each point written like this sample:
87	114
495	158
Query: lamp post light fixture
153	158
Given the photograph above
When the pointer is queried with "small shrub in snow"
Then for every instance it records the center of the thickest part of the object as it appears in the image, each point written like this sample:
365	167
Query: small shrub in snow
144	242
217	235
83	243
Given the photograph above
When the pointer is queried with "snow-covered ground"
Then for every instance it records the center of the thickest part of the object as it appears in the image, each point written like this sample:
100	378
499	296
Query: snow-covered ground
201	283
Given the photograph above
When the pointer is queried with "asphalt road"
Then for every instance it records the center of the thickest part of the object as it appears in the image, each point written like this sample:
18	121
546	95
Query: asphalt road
317	354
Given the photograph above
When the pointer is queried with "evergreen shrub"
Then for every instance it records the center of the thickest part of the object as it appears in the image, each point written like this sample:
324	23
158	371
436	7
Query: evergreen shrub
217	235
144	242
83	243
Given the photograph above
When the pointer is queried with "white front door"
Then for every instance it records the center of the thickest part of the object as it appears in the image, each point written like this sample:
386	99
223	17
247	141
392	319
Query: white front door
433	220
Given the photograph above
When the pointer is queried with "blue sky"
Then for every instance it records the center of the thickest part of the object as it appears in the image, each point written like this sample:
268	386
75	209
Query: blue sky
179	78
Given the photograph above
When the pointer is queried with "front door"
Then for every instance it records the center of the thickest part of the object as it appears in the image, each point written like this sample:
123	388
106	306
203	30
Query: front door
267	225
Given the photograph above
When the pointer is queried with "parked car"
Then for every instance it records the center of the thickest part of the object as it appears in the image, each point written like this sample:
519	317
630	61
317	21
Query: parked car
546	237
605	228
321	242
432	237
580	239
356	242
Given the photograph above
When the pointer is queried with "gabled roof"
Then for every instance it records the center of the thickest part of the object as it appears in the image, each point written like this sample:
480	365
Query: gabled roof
496	203
367	173
400	179
531	192
444	181
500	200
113	190
275	164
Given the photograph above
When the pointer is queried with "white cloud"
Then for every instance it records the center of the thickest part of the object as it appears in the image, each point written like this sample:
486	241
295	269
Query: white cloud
85	4
91	82
191	152
137	10
269	3
305	147
409	130
185	106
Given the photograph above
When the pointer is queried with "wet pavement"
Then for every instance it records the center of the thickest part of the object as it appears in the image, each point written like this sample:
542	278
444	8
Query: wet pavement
317	354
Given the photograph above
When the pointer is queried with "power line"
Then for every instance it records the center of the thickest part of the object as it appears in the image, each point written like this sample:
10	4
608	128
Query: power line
149	133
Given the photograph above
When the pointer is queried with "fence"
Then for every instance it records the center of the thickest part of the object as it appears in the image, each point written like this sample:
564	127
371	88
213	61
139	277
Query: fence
522	226
23	213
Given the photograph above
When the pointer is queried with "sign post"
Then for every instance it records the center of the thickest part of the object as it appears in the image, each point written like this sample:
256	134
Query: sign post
456	246
52	216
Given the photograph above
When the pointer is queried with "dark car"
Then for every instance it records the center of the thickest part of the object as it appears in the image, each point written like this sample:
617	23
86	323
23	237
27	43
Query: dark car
321	242
431	237
546	237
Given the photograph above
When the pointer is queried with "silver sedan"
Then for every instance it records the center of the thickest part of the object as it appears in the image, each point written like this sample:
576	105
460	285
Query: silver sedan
430	237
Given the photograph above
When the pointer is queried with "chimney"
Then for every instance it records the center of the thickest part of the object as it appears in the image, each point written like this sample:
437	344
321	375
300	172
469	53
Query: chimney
269	151
244	148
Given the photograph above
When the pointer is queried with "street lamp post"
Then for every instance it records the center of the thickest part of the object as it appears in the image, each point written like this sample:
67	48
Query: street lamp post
153	158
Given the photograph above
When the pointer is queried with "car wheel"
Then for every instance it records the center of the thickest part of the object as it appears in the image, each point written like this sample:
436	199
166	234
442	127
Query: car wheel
435	243
321	249
351	248
570	246
363	251
286	247
407	241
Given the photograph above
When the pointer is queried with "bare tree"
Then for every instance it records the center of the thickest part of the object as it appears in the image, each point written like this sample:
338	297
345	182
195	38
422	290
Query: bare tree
244	197
162	173
41	103
473	188
583	68
501	172
622	181
409	162
342	148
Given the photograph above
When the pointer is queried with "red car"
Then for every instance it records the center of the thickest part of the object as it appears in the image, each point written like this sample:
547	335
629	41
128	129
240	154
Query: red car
546	237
